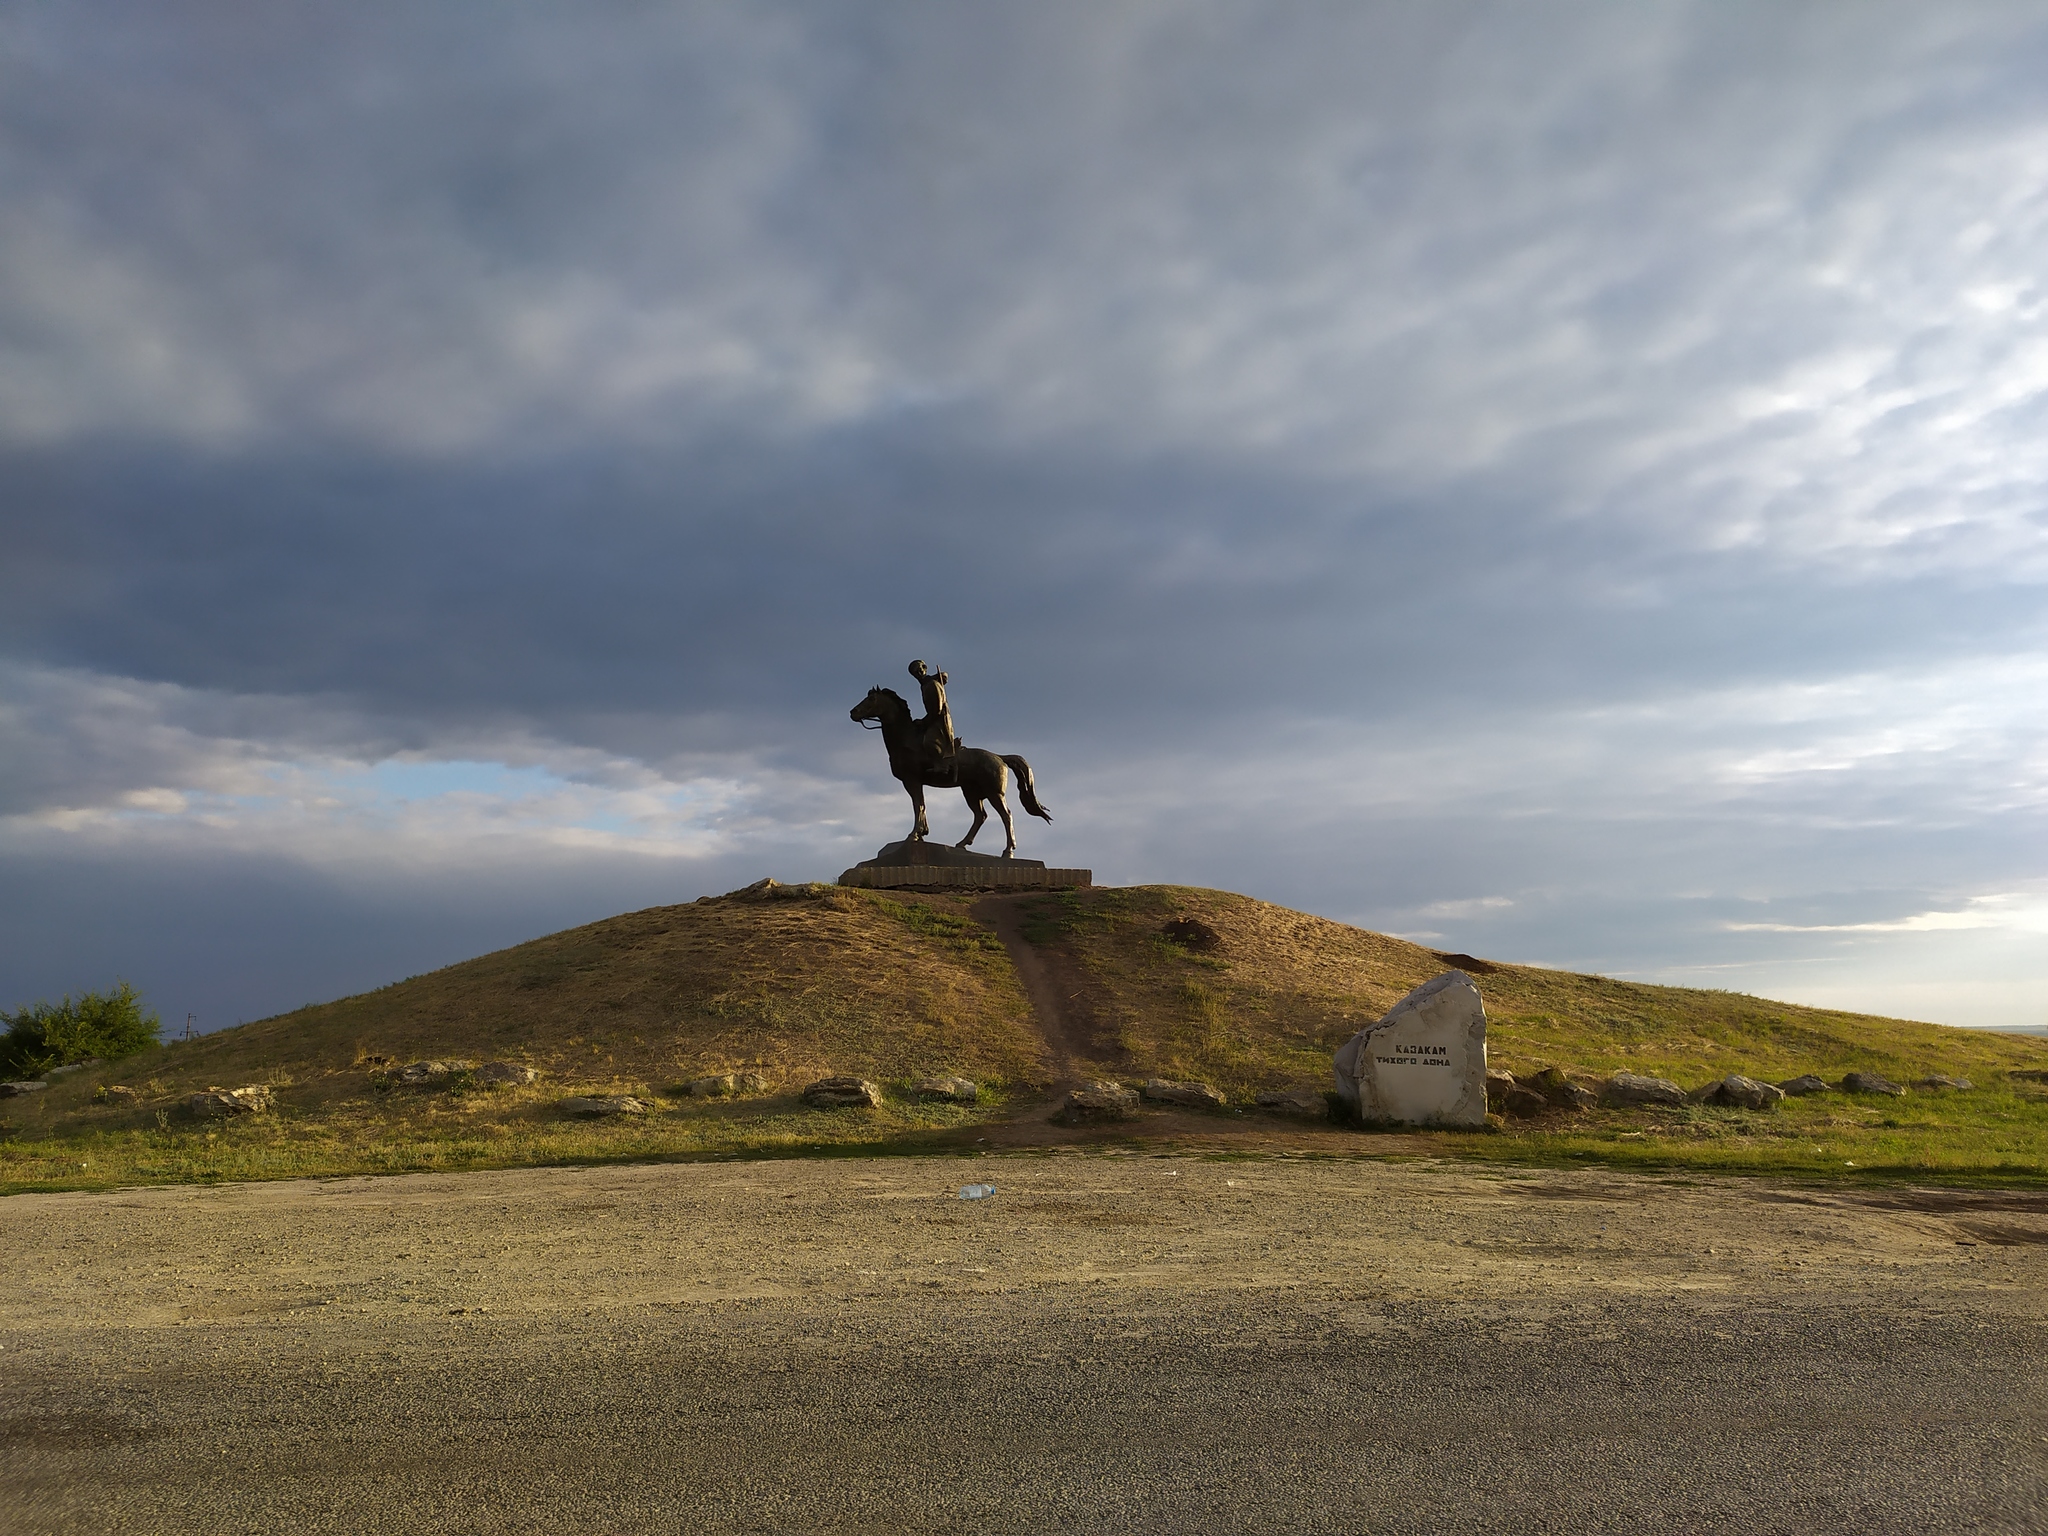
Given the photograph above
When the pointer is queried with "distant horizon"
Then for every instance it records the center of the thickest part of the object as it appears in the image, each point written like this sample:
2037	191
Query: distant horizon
200	1028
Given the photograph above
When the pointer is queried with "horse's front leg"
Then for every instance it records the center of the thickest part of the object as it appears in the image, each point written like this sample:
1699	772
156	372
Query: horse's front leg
918	830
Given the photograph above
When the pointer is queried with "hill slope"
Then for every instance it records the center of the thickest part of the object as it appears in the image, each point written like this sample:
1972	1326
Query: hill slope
808	982
1281	990
799	983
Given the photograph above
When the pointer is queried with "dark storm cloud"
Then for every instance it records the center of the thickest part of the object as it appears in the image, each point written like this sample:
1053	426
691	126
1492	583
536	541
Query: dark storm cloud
734	588
1502	462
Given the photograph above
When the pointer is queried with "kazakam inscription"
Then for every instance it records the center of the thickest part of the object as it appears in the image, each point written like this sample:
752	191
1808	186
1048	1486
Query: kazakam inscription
1424	1063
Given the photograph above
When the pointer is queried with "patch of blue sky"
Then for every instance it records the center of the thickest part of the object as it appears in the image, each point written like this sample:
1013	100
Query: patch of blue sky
568	802
402	781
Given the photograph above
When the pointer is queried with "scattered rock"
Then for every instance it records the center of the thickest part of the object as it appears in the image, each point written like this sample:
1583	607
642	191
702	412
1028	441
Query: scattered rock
499	1074
1307	1103
1632	1088
1940	1080
1194	1095
1740	1092
598	1106
1870	1082
73	1066
220	1103
1799	1087
1097	1102
1560	1090
427	1074
774	890
726	1085
114	1093
1523	1103
13	1090
956	1090
1192	933
843	1093
1505	1095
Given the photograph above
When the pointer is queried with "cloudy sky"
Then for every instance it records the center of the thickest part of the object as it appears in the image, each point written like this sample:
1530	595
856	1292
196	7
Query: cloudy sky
1563	482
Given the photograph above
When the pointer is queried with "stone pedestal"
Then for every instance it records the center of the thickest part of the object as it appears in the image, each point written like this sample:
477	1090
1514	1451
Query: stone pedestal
929	865
1424	1063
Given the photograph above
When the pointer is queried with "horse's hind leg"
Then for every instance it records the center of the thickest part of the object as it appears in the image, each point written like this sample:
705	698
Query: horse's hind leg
1009	826
918	828
980	816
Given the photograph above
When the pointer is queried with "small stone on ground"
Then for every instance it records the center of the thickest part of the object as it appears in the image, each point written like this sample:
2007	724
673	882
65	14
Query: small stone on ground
1307	1103
1093	1102
1632	1088
1521	1103
598	1106
220	1103
1159	1090
1559	1089
843	1093
1740	1092
423	1074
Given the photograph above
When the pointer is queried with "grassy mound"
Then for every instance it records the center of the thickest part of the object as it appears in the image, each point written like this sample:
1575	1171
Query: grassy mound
1267	1002
796	986
798	983
1280	990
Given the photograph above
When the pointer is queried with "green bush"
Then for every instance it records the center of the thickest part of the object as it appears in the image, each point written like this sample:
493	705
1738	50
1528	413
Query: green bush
103	1024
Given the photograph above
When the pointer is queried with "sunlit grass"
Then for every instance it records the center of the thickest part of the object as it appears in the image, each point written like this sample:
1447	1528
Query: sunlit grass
1994	1134
896	989
429	1137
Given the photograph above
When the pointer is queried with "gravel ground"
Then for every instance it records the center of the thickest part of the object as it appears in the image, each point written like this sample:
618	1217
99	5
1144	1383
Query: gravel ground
1110	1343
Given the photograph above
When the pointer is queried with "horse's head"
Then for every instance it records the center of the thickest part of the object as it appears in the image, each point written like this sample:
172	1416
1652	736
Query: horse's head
878	705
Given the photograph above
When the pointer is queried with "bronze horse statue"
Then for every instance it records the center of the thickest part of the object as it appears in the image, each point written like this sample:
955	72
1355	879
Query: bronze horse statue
979	775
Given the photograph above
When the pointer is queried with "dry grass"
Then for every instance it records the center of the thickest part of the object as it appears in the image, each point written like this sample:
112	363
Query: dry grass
794	989
899	987
457	1132
1284	989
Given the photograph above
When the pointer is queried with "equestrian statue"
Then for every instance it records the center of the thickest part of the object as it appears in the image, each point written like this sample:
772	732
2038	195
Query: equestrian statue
925	754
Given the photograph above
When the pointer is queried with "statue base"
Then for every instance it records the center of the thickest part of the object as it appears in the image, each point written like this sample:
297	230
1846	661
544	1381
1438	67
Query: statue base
940	866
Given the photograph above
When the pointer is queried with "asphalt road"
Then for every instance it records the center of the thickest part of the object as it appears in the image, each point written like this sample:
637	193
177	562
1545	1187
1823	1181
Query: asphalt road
1109	1344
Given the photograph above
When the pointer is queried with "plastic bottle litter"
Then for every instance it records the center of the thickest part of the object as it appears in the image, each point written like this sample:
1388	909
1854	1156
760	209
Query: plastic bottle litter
976	1191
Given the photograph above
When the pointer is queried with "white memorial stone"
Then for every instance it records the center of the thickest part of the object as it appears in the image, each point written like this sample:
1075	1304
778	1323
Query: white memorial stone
1424	1063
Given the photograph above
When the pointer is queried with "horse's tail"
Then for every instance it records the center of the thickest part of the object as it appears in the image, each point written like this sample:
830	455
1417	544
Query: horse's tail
1026	790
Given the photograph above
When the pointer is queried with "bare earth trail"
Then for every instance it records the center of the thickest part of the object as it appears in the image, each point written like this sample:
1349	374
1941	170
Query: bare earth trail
1156	1343
1050	991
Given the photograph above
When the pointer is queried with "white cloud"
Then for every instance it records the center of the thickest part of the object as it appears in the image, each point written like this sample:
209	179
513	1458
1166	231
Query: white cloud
124	764
2017	911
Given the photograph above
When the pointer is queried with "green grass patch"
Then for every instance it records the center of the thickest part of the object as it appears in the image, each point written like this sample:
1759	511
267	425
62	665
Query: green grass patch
448	1134
895	988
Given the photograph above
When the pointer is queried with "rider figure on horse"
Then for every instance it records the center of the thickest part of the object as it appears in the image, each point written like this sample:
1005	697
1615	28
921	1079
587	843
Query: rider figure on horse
935	730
